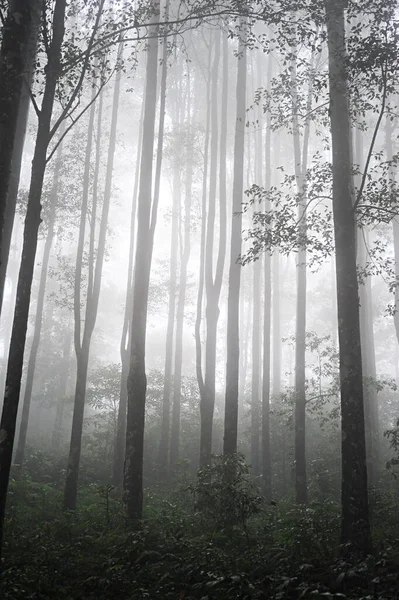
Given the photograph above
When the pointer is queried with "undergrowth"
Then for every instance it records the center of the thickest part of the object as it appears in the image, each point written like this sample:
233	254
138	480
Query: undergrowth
188	548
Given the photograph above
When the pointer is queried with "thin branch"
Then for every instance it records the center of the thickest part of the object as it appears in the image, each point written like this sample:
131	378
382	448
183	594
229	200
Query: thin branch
32	99
82	74
371	148
382	208
74	121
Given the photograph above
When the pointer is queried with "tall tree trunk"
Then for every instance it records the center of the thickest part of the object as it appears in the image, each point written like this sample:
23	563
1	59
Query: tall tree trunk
62	392
355	513
19	142
137	380
266	447
184	257
32	222
201	283
256	314
367	340
19	455
17	55
301	159
82	347
233	343
120	440
212	284
167	386
395	221
276	300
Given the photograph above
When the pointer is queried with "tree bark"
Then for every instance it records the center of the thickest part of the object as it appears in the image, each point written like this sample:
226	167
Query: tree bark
233	343
355	526
82	348
17	55
19	455
137	380
120	440
266	446
395	221
32	222
212	285
367	342
62	392
164	445
184	258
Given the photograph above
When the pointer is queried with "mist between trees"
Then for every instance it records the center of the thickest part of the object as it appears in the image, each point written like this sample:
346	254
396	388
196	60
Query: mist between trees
199	261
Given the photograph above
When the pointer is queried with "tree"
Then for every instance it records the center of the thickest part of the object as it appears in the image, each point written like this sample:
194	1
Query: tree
17	55
53	201
267	268
355	514
233	345
213	281
82	343
120	440
137	381
185	249
32	222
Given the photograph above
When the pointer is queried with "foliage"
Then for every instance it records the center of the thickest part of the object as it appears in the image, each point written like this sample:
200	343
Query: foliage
225	493
285	552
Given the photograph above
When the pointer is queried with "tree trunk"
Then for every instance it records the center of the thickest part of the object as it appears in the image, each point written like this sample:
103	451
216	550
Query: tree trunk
137	380
32	222
93	295
266	448
276	300
120	440
62	392
256	316
233	344
19	142
184	257
301	159
19	455
17	55
167	386
201	283
212	284
395	221
355	514
367	341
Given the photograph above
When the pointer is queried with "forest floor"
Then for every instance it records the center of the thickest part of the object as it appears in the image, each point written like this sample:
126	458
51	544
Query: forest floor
182	553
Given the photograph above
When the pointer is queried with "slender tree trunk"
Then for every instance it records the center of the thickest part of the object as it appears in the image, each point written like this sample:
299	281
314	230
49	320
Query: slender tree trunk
19	455
82	348
120	441
301	158
167	387
19	142
137	380
184	257
395	221
266	446
256	318
32	222
276	300
201	283
367	340
355	514
17	54
212	287
62	392
233	344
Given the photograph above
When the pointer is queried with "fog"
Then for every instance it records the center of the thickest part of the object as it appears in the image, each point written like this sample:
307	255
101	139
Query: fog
199	264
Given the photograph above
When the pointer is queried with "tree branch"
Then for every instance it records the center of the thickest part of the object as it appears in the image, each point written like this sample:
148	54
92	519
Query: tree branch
372	144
